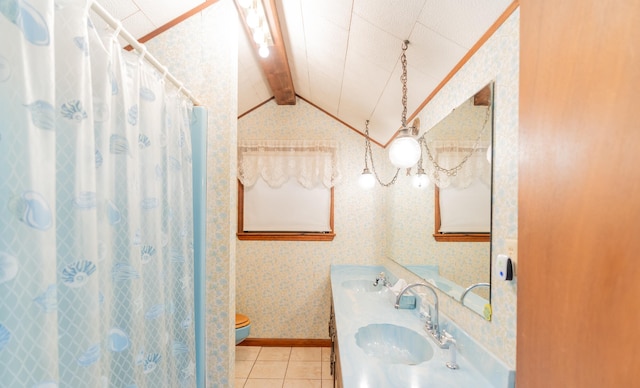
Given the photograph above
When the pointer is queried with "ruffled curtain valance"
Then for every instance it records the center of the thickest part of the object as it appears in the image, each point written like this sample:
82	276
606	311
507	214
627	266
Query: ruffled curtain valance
310	162
449	154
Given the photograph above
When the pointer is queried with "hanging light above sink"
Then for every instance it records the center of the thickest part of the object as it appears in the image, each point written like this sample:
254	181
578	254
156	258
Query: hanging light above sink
405	151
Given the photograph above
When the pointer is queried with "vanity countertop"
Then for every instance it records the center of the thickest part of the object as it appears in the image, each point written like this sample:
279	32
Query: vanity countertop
356	309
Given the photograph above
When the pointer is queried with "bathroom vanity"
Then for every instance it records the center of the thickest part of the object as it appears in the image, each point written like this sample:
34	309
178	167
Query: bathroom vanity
376	345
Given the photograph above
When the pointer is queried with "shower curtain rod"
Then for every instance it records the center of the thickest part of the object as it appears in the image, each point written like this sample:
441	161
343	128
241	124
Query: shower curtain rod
117	25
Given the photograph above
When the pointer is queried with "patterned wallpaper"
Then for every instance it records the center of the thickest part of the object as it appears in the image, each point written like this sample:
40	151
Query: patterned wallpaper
284	286
497	61
202	53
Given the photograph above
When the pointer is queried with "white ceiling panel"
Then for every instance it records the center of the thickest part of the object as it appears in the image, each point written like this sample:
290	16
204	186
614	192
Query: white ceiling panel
461	21
162	11
373	44
292	26
363	84
337	12
300	75
120	9
432	53
396	17
344	54
138	24
329	47
419	86
325	90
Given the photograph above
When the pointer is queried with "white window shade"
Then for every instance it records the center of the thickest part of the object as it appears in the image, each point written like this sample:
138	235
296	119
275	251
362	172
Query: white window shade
466	210
288	208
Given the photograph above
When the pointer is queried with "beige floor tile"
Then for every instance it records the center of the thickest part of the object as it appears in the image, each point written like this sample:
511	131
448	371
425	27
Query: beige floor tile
243	368
304	370
263	383
326	370
327	383
268	370
326	354
302	383
274	354
247	353
239	383
306	354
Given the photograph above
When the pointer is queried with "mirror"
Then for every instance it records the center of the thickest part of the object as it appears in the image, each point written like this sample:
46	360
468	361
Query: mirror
451	259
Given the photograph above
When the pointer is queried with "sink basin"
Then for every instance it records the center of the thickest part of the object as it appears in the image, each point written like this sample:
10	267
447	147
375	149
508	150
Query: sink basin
394	344
362	285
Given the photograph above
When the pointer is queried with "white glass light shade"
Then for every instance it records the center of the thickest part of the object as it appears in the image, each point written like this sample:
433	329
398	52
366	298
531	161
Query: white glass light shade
263	51
366	180
421	181
252	19
258	36
404	151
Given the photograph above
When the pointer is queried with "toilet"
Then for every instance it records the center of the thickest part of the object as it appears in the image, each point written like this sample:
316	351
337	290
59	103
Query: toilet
243	325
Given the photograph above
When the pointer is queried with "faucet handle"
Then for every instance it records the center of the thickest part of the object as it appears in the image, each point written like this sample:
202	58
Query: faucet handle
447	337
381	276
428	324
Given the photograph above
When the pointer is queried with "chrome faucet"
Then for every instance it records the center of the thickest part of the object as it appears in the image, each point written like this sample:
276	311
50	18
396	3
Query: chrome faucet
381	278
471	287
432	327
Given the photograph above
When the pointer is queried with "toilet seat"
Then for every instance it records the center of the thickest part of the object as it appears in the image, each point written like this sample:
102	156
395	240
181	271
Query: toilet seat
242	321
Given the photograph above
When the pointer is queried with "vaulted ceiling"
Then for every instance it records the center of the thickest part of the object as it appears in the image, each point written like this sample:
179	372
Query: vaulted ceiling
344	55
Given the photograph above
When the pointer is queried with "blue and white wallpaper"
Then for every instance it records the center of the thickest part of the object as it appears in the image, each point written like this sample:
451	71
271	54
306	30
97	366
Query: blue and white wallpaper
284	286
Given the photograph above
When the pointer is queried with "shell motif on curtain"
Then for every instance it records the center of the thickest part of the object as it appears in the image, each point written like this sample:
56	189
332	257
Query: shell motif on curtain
96	249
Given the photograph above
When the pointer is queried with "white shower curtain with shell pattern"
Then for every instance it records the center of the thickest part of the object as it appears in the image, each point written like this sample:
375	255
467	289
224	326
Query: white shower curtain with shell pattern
96	220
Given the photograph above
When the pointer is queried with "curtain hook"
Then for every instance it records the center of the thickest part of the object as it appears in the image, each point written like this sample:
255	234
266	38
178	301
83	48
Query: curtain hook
143	52
165	71
117	30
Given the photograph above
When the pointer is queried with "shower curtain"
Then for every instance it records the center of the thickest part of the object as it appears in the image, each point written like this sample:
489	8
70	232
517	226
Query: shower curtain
96	219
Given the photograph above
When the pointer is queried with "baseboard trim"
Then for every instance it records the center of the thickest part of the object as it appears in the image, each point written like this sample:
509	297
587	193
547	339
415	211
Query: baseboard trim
286	342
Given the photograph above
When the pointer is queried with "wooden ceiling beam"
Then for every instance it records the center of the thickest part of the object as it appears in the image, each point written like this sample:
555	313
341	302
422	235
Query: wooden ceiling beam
276	66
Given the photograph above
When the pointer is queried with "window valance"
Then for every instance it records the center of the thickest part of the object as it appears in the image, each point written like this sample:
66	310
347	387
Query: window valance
451	153
310	162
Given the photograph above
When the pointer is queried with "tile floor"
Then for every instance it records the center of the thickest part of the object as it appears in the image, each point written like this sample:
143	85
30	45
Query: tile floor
283	367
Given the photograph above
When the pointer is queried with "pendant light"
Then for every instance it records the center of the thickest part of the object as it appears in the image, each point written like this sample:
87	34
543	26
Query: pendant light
404	151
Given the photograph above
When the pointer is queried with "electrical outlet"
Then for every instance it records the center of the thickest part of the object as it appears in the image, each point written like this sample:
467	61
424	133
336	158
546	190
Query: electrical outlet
511	246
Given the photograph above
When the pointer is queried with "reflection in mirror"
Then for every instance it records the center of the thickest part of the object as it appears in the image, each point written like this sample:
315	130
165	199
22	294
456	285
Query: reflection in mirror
456	156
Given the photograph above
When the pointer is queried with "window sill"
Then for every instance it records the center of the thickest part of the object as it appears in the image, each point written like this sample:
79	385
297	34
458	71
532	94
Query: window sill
284	236
462	237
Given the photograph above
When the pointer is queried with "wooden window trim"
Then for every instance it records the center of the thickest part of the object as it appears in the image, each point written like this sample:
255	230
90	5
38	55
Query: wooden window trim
280	236
454	237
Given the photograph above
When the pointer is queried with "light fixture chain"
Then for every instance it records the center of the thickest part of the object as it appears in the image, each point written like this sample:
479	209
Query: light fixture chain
373	167
403	79
454	170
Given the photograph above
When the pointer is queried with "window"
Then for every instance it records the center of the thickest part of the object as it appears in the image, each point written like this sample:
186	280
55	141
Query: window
463	200
285	190
463	214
